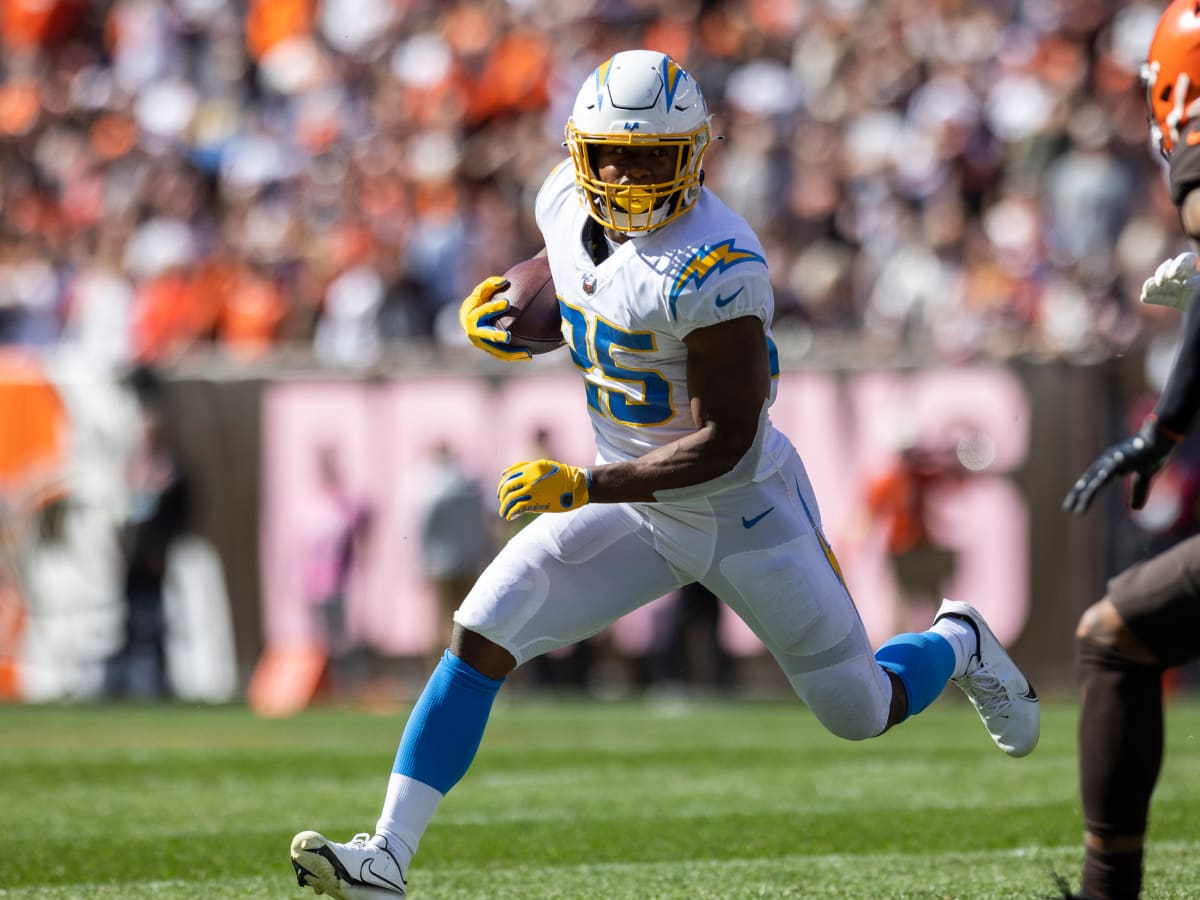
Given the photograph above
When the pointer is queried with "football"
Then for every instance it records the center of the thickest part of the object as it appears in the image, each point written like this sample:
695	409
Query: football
533	321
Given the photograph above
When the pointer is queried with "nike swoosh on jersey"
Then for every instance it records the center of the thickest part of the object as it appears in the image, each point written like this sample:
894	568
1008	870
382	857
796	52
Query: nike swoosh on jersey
725	301
750	523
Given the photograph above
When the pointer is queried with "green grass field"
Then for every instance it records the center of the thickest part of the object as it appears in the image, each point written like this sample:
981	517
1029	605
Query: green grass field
568	800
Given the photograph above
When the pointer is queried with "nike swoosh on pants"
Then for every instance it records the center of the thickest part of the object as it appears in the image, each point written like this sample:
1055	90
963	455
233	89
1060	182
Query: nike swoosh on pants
750	523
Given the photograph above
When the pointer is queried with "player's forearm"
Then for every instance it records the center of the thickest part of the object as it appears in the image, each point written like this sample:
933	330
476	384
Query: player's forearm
694	459
1176	408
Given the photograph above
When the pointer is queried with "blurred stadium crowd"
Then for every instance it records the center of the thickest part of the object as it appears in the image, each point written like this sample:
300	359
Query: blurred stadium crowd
954	179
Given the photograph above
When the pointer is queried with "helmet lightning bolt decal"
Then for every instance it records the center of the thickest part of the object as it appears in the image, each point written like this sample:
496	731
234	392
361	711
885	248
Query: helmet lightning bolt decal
601	76
672	77
708	260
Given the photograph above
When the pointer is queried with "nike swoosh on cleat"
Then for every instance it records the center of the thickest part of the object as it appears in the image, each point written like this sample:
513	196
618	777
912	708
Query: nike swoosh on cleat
725	301
368	869
750	523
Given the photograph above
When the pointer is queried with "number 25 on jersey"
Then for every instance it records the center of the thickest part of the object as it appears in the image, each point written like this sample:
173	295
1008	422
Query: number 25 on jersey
636	397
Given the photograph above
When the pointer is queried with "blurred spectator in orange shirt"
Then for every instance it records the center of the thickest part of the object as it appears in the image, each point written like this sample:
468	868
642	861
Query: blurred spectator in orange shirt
270	23
38	24
169	315
252	307
513	77
898	501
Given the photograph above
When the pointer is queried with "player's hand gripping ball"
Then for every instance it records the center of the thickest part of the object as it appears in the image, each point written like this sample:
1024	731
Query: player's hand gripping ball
533	320
542	486
478	315
515	315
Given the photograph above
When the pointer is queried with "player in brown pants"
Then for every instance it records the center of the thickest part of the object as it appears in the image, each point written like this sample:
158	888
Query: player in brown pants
1149	620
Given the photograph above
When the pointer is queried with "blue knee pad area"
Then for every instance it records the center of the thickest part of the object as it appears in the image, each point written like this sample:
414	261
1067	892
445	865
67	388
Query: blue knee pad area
923	662
446	725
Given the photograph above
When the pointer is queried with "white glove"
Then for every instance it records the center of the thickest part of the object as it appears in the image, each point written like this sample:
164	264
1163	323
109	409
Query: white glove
1173	282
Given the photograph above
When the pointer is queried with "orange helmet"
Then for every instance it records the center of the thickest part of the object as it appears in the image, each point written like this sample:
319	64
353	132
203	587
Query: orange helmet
1171	73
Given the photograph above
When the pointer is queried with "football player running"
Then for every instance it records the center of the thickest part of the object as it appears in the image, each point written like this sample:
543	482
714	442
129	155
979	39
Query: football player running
1149	619
666	309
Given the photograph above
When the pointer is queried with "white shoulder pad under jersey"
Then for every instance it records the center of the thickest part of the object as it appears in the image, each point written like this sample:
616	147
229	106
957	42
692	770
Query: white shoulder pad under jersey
625	319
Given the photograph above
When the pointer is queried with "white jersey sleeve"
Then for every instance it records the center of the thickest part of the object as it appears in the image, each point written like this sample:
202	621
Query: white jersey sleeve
720	280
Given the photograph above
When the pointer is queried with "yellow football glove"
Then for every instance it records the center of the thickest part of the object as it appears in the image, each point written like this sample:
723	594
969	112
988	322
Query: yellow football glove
477	315
542	486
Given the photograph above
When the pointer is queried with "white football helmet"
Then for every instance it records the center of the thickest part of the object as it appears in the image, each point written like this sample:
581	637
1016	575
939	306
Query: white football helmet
638	98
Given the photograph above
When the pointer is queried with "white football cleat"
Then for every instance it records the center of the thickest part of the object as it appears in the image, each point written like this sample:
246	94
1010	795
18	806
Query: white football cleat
364	869
1002	696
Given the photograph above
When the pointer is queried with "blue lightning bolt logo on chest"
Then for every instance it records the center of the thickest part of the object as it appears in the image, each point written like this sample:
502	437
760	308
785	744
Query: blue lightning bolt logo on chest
706	261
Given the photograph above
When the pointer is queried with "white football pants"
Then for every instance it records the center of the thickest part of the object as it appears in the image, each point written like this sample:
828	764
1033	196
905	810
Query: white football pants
758	547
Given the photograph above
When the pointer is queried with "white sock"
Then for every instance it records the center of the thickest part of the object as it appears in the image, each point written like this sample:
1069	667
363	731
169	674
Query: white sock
961	637
407	811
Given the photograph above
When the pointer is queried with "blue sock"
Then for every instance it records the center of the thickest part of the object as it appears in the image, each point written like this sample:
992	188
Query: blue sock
446	725
923	662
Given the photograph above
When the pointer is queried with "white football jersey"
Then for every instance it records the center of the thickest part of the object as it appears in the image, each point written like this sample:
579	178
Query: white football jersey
625	319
